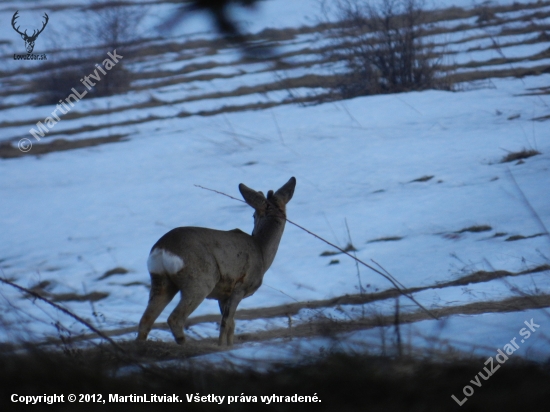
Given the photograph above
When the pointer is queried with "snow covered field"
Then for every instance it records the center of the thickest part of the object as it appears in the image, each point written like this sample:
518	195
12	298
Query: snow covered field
404	177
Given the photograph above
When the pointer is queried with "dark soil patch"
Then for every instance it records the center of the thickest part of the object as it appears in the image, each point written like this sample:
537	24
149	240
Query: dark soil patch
385	239
422	179
137	283
541	268
522	154
75	297
479	276
115	271
349	248
476	229
521	237
43	289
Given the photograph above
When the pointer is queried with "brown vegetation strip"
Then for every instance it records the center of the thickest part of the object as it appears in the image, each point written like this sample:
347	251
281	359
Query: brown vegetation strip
358	299
204	47
324	327
7	151
329	327
190	72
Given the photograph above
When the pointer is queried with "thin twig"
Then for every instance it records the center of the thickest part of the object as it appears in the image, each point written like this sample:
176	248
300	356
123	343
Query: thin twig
389	278
527	203
357	267
220	193
278	128
65	311
122	352
397	328
393	282
388	273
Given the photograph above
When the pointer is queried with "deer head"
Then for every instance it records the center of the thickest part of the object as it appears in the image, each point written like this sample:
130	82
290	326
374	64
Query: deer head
29	40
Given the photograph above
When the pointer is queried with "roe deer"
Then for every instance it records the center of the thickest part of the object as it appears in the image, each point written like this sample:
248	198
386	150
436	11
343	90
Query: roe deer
213	264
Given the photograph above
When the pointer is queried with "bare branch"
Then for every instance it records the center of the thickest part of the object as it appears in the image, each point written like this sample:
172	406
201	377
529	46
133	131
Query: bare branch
65	311
389	278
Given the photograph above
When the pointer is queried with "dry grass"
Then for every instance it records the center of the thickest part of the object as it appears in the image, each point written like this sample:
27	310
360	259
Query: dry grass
7	151
386	239
115	271
522	154
292	309
422	179
348	248
190	72
521	237
476	229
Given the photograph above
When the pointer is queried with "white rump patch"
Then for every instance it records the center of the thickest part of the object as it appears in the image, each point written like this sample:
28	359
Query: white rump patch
161	261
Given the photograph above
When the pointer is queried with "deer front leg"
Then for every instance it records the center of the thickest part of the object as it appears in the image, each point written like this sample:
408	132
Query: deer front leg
228	307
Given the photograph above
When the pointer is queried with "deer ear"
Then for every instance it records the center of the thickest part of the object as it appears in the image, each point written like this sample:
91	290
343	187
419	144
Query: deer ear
287	190
253	198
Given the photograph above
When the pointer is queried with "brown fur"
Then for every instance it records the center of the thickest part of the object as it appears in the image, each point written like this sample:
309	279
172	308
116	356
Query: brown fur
223	265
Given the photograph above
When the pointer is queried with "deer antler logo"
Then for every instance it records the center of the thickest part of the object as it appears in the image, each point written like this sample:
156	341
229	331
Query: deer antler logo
29	40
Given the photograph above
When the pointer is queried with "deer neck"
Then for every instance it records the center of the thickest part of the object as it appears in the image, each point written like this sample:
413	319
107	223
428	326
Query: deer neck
267	234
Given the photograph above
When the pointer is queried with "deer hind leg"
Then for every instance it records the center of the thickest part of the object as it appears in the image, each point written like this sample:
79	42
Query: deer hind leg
193	291
162	292
228	307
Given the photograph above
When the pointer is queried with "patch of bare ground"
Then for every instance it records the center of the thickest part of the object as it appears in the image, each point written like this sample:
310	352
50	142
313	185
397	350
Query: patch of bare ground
42	287
484	276
136	283
8	151
540	38
115	271
329	327
348	248
521	237
385	239
76	297
476	75
422	179
500	61
522	154
475	229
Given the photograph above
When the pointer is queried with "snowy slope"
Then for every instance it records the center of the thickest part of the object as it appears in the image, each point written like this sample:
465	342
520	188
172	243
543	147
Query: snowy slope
68	217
